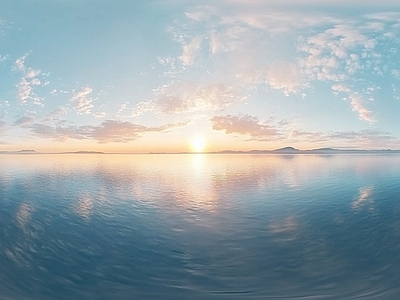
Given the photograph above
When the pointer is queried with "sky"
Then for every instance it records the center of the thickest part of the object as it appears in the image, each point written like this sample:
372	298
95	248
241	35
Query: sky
180	75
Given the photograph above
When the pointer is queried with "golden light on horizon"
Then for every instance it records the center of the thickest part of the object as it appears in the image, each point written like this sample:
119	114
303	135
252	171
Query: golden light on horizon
198	144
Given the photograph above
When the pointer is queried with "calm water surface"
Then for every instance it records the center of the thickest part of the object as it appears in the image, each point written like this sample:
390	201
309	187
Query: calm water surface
199	227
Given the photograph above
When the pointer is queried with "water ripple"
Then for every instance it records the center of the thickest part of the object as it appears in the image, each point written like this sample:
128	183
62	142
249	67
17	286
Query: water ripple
200	227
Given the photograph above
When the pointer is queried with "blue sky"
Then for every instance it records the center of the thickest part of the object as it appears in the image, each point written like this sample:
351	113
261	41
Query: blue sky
140	76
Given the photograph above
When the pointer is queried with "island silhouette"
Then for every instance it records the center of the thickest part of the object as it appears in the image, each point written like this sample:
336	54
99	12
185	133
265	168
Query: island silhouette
284	150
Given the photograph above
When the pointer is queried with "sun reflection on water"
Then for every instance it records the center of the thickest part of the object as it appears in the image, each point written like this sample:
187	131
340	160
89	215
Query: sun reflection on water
211	222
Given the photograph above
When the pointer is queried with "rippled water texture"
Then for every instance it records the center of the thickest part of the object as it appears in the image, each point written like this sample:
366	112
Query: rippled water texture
199	227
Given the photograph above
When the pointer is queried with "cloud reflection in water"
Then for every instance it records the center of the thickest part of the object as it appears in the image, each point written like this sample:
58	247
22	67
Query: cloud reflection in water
212	226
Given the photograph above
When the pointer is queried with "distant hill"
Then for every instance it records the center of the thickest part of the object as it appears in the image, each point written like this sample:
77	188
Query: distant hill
348	151
285	150
35	152
27	151
323	149
19	152
288	150
83	152
292	150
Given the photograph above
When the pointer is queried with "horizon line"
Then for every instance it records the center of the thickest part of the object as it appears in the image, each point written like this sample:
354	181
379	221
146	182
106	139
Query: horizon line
284	150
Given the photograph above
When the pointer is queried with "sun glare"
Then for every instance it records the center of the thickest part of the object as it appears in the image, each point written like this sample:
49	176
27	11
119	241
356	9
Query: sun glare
198	144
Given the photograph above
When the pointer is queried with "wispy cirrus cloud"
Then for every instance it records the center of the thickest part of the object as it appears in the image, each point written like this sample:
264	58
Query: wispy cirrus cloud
307	3
192	97
361	139
60	133
356	101
179	97
265	17
3	126
110	131
284	76
190	51
247	125
117	131
366	135
312	137
24	121
55	115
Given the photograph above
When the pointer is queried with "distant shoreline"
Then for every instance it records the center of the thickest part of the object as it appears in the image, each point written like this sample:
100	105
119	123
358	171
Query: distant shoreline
286	150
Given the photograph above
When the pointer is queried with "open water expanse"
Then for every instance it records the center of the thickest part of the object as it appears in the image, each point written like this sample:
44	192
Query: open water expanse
199	227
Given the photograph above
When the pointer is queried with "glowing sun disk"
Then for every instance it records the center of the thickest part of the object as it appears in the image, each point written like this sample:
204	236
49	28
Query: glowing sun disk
198	144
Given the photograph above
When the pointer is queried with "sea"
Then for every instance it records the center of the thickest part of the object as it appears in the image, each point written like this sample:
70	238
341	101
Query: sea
199	226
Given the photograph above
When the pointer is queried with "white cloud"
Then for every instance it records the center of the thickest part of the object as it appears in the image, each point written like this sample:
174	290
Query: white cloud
338	88
245	42
3	126
55	115
274	20
189	97
28	80
367	139
24	90
179	98
31	73
23	121
356	102
314	137
143	107
203	12
328	54
363	139
121	109
374	26
358	106
284	76
396	73
388	16
109	131
3	58
99	115
309	3
245	125
218	42
19	64
190	51
60	133
82	102
343	54
244	35
347	36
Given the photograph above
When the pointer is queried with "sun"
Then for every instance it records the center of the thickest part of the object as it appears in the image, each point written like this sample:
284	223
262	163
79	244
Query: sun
198	144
